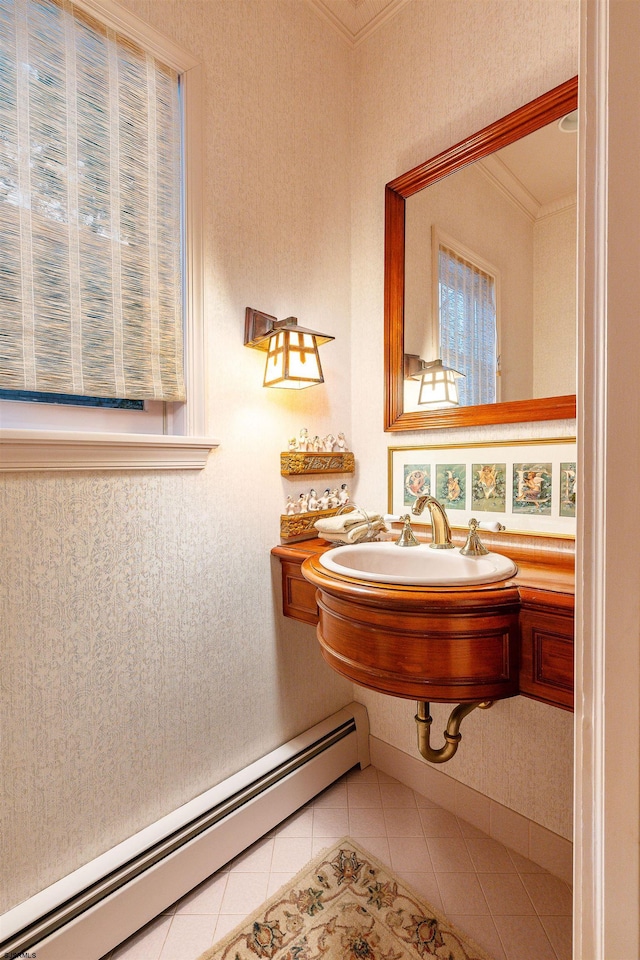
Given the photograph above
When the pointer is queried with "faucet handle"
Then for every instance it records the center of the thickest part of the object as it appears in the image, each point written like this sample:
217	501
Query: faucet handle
474	546
407	538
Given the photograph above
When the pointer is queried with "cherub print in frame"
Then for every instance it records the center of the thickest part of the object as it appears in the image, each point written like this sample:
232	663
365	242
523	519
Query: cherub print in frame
532	488
568	489
488	487
451	485
417	482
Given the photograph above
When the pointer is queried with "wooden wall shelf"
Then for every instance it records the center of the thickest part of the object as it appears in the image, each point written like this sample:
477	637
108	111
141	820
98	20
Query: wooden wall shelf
298	462
300	526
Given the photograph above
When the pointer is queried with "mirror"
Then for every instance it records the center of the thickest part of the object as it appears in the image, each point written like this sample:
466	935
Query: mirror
499	176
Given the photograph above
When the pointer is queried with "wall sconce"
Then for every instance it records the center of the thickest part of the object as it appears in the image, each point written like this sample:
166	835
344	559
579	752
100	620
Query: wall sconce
292	351
438	387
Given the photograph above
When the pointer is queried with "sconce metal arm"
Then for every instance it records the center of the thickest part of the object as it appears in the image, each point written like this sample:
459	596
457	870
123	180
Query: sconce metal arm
260	327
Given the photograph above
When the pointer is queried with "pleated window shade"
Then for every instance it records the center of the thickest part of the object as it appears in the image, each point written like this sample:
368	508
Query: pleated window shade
468	329
90	209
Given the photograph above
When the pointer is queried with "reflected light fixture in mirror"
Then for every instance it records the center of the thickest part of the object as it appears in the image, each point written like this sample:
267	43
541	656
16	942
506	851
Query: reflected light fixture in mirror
438	388
293	361
547	109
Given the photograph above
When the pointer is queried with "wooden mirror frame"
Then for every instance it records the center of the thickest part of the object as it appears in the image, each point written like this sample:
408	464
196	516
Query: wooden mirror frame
538	113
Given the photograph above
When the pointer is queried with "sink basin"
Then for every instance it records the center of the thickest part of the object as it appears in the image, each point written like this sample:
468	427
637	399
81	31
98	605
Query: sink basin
421	566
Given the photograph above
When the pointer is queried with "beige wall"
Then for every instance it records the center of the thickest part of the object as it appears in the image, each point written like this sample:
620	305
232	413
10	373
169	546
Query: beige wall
435	74
144	657
554	299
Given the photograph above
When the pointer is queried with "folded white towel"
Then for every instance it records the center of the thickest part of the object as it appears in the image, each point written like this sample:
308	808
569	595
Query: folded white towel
344	521
355	533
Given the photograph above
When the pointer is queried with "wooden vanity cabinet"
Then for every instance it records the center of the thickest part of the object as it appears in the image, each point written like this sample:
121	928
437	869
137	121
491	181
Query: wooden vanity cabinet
298	595
546	646
545	619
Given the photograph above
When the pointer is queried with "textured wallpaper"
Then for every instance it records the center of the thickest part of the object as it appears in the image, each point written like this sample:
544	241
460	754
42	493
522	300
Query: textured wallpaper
143	654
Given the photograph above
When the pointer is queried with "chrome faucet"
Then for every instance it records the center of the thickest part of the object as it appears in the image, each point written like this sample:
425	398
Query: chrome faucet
441	531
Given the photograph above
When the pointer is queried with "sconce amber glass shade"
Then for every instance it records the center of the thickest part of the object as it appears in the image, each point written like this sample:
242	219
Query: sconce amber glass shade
438	387
292	361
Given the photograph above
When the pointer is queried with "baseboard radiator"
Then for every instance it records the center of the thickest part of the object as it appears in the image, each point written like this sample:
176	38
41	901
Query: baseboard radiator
87	913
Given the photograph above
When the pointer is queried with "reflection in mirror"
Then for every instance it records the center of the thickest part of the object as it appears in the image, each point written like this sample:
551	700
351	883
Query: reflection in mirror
490	272
480	272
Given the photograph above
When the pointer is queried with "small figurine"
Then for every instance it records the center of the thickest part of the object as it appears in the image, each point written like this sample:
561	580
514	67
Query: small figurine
343	495
290	506
341	443
293	444
302	503
313	503
303	440
317	444
324	500
334	500
328	443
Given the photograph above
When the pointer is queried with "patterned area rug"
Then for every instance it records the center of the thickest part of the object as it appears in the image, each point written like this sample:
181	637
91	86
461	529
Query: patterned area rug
345	905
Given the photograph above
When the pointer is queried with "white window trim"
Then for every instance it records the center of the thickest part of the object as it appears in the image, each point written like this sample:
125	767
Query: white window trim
185	444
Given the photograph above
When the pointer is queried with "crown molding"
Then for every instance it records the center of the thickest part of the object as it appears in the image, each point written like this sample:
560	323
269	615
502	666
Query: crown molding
503	180
356	37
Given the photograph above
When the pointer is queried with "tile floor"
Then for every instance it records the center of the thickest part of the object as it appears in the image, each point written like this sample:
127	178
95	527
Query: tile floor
510	906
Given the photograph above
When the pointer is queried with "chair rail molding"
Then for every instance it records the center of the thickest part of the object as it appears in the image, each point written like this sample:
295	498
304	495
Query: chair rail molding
29	450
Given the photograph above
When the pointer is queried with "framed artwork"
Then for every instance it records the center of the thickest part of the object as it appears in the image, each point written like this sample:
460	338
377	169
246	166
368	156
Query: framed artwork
529	486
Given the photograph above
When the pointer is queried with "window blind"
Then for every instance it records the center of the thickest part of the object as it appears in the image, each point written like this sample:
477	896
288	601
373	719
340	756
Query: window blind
90	209
468	340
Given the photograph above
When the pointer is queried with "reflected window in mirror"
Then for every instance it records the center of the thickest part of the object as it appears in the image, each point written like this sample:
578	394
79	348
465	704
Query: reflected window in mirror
461	328
468	322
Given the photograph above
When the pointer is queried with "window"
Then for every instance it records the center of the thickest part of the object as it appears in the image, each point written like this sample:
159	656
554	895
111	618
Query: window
99	230
467	312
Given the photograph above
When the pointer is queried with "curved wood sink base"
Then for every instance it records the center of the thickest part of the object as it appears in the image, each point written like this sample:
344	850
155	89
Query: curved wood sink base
542	590
433	644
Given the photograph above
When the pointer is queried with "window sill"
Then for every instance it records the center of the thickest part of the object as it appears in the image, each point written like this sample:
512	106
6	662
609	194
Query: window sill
27	450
